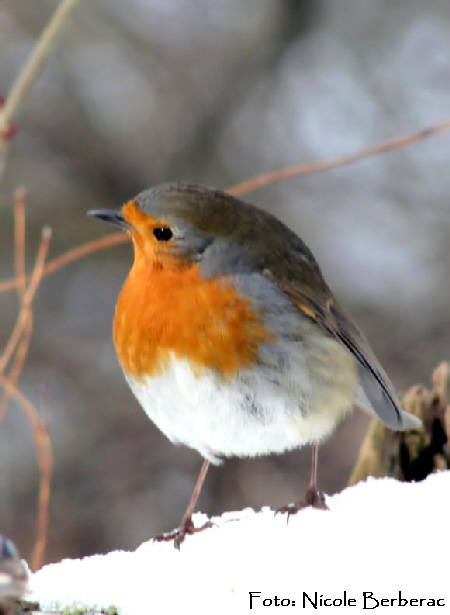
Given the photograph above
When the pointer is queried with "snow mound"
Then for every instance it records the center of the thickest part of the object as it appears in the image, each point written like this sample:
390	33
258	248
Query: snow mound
379	538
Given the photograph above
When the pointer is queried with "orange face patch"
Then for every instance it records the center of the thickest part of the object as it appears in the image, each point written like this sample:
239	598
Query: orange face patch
146	246
163	310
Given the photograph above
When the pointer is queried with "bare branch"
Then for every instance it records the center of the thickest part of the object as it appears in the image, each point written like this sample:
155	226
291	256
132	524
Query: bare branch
27	298
45	461
69	256
314	167
29	72
23	343
19	238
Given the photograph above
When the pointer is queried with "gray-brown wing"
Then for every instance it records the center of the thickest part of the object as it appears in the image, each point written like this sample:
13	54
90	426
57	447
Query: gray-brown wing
330	317
373	379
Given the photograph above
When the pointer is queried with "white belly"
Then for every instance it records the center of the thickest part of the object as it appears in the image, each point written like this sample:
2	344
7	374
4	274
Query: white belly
248	415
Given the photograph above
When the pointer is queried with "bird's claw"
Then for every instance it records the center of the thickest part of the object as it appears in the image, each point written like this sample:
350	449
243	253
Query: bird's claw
313	499
186	528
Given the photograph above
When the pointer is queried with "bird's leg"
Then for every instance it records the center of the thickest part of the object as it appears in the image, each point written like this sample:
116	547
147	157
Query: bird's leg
186	525
313	497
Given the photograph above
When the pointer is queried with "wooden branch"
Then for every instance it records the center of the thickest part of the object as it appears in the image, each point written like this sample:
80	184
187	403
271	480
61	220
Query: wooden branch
16	348
45	462
412	454
30	71
274	176
70	256
27	299
19	262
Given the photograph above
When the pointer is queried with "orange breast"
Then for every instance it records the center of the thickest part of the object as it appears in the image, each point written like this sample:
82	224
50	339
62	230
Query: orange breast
173	310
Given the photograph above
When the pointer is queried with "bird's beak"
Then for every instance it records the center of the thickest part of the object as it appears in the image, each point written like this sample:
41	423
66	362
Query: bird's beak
114	216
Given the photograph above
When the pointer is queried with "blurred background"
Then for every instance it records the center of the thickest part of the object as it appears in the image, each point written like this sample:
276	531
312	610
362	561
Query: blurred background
148	91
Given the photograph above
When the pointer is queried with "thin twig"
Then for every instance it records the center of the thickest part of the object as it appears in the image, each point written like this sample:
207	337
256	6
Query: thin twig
19	262
19	239
315	167
18	343
45	487
18	362
31	69
45	462
69	256
27	298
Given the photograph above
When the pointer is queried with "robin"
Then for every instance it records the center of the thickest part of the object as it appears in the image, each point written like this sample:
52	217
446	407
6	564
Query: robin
230	338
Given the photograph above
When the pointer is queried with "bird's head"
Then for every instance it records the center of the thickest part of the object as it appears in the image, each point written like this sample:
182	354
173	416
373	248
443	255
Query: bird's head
179	224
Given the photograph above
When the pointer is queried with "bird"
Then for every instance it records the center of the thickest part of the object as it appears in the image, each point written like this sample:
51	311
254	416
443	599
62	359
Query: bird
230	338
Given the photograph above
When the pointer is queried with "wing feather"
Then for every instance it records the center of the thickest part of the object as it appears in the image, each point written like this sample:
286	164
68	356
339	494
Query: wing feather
332	319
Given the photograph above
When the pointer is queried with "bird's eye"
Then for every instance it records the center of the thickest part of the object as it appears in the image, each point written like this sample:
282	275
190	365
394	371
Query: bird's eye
163	233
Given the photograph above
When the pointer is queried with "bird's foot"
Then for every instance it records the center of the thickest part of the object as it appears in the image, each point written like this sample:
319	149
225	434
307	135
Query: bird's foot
186	528
313	498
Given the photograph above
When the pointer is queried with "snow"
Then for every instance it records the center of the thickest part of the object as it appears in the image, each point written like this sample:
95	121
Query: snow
380	537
